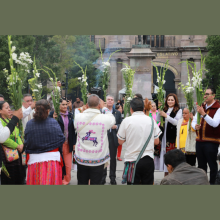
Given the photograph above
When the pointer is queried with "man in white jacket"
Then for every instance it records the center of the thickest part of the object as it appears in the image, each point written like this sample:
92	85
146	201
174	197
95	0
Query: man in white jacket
92	150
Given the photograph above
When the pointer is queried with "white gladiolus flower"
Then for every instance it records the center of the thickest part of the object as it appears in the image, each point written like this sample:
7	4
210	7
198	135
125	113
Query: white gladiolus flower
86	84
58	88
187	84
79	78
35	90
13	49
37	74
158	80
51	79
164	81
10	42
14	56
129	98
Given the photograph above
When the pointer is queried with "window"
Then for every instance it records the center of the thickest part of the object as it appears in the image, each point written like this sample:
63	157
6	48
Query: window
92	37
155	40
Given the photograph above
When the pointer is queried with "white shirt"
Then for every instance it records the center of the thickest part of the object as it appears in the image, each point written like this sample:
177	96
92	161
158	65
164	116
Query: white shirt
214	122
135	130
26	112
4	133
92	147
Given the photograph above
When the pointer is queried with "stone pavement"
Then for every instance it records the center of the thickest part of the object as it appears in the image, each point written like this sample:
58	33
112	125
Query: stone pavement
158	176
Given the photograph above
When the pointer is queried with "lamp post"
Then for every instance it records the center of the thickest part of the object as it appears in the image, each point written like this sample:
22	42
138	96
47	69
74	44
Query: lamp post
66	72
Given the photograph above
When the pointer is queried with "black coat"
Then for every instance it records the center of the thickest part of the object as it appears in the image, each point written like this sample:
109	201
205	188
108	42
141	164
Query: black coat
71	130
118	120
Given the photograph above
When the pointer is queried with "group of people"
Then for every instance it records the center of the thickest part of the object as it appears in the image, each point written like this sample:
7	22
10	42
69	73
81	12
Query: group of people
93	138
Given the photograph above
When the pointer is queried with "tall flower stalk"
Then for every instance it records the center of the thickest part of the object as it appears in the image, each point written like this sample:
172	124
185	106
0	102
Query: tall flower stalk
128	75
83	83
197	82
161	91
35	85
55	94
106	72
17	77
188	91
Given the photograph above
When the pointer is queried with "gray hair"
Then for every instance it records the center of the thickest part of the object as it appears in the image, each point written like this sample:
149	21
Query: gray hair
27	95
152	102
93	101
110	96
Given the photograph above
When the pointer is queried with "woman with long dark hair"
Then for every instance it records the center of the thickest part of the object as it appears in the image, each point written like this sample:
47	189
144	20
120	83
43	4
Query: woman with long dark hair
65	121
44	139
13	142
171	114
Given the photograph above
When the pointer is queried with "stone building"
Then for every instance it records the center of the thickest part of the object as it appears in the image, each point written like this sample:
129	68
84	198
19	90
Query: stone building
175	48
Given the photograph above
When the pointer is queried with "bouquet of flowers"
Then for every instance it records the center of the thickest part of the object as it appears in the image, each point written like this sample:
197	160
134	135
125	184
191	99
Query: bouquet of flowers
188	90
17	77
128	75
160	90
35	85
55	94
83	83
106	72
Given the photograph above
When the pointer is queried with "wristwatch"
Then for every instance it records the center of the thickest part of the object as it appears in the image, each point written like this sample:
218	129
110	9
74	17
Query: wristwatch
204	116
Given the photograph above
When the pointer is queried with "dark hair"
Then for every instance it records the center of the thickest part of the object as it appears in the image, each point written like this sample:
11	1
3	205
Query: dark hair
1	104
26	95
212	89
117	107
137	104
41	110
174	157
2	96
139	96
176	106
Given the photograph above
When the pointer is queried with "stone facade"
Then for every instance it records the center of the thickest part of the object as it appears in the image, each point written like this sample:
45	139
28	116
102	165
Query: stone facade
175	48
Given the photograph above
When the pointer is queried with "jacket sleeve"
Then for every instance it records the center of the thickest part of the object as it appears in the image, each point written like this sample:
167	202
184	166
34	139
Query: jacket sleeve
165	182
10	143
118	119
51	114
4	133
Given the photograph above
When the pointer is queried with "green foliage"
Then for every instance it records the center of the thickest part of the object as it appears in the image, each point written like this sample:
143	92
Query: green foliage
212	62
72	83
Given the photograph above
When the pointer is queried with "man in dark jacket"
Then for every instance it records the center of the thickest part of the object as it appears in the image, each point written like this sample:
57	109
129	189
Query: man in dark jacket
113	141
180	172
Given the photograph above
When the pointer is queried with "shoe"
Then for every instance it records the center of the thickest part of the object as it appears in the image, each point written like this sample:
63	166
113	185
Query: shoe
113	182
118	158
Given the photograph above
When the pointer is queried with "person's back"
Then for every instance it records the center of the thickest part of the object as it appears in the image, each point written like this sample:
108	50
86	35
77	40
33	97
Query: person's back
185	174
180	172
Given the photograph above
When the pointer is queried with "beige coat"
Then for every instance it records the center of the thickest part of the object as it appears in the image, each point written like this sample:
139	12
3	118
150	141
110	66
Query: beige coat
190	140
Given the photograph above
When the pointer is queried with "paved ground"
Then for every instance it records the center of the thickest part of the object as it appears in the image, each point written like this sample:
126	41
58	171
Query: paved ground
158	176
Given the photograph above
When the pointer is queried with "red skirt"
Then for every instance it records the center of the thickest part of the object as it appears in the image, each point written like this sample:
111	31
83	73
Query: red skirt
45	173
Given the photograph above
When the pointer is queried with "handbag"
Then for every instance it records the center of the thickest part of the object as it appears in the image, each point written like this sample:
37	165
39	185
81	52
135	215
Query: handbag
130	167
10	154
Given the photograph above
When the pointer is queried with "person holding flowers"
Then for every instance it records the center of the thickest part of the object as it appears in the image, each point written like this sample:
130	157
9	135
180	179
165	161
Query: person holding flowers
13	142
208	133
171	114
65	121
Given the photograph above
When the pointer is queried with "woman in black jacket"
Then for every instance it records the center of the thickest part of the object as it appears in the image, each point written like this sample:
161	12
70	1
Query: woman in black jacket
65	121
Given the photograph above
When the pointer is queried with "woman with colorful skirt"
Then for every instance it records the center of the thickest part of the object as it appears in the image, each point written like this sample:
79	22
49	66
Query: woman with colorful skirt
65	121
12	175
44	140
171	115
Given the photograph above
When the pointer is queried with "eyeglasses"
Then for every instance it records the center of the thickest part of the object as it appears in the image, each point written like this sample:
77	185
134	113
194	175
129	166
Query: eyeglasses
208	94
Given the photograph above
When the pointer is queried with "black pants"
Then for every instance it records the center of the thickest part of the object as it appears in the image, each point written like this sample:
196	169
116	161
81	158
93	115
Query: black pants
144	174
92	173
207	153
113	162
191	159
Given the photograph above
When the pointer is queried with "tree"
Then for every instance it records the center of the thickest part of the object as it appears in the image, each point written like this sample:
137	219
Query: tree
85	55
212	62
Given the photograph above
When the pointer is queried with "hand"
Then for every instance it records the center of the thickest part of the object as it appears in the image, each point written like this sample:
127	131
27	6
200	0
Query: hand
163	114
59	83
200	110
20	148
197	127
69	104
54	115
33	104
114	126
18	113
191	115
74	147
84	107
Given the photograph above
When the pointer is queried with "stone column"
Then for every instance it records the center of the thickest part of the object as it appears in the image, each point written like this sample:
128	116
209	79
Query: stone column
113	79
119	77
126	41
